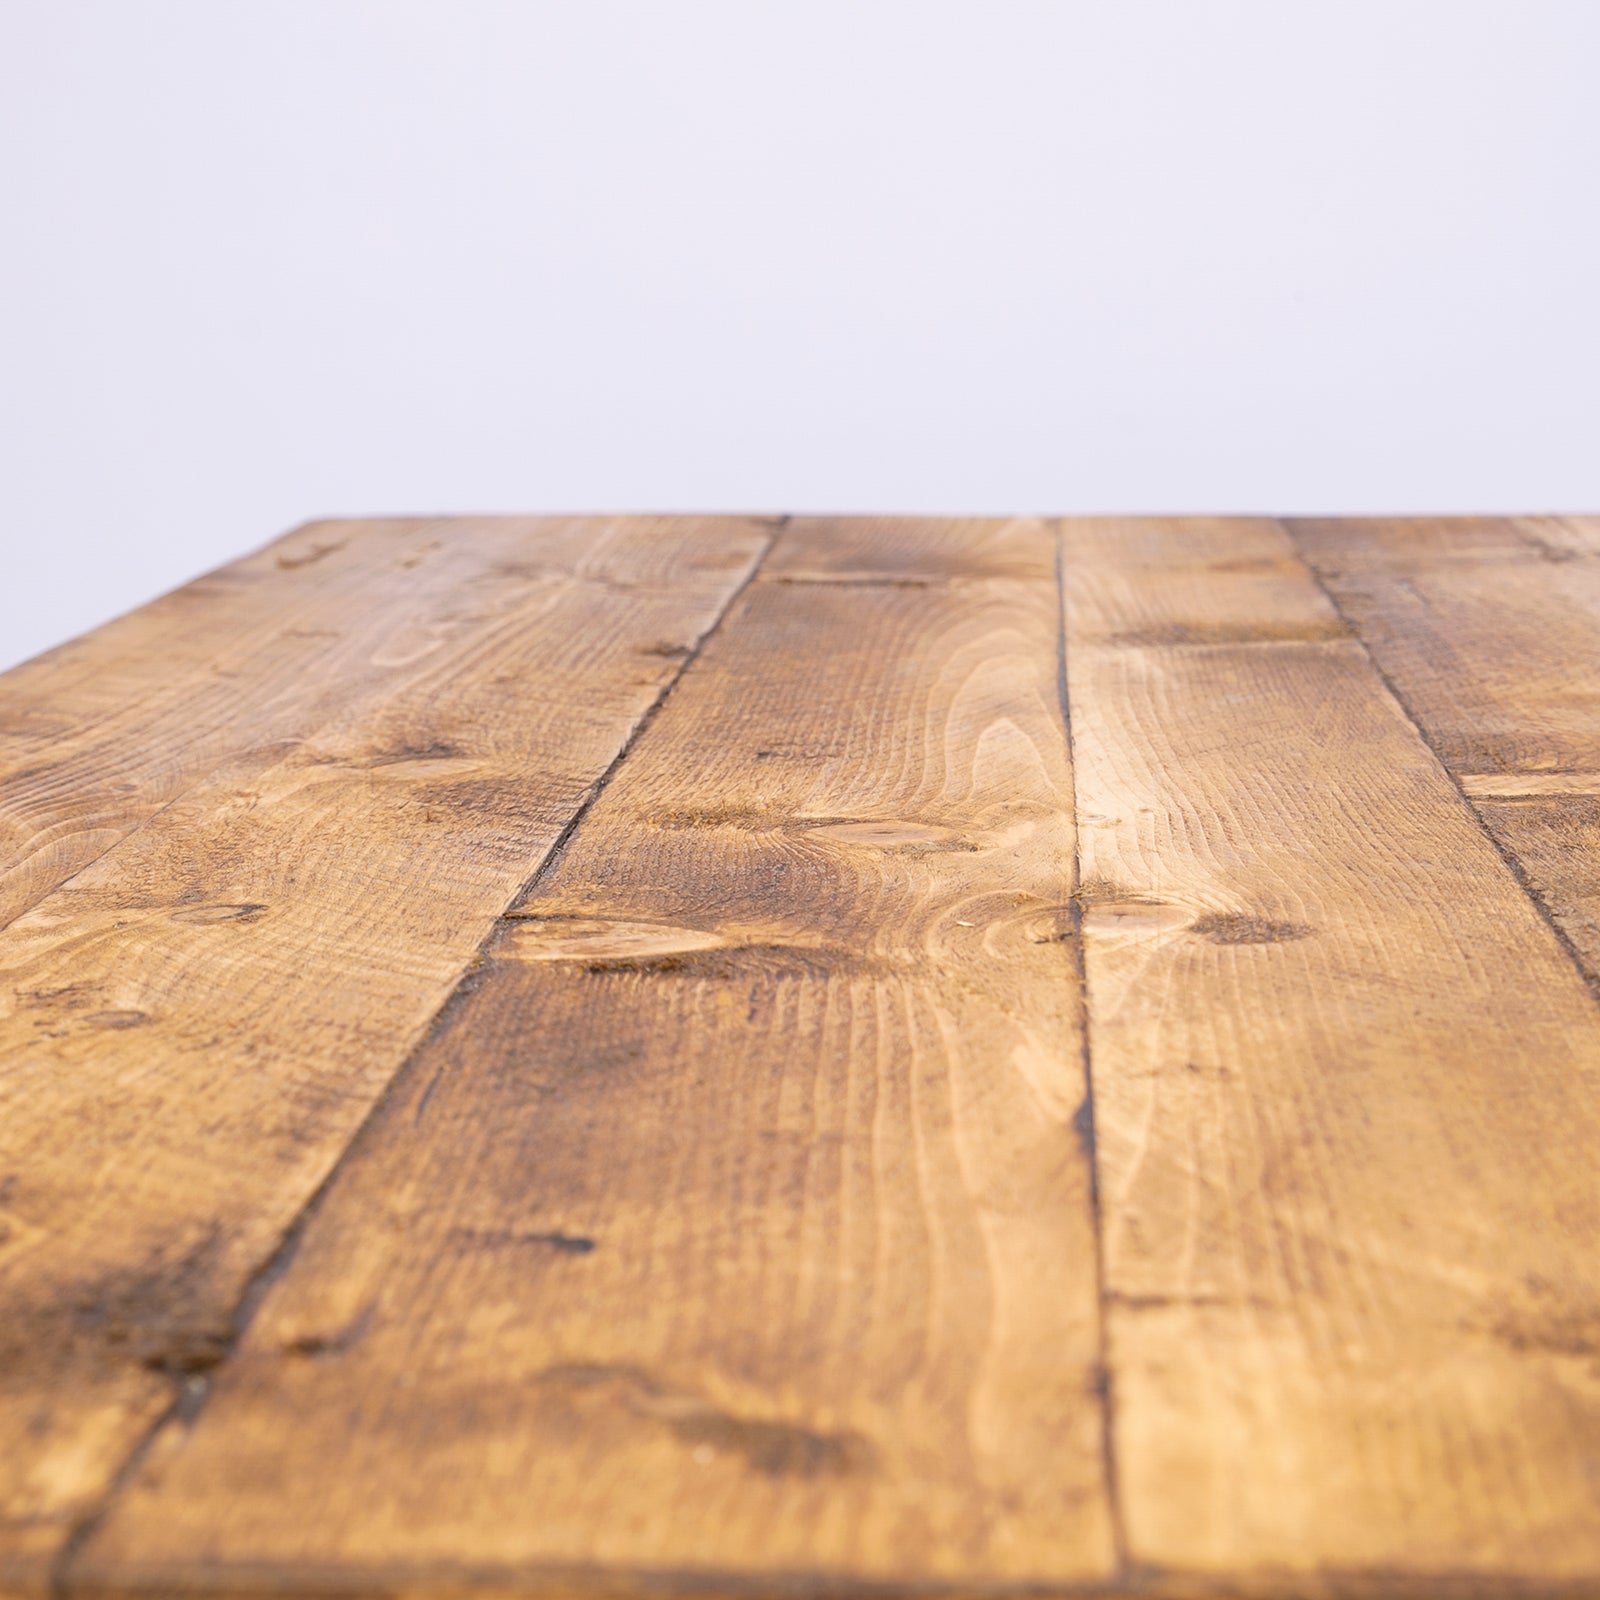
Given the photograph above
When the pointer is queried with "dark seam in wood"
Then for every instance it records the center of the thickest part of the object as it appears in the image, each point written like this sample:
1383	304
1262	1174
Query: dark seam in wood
193	1392
120	1479
558	850
1083	1121
1591	980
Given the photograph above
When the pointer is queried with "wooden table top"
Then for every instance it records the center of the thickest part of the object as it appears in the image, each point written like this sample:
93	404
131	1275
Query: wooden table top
714	1056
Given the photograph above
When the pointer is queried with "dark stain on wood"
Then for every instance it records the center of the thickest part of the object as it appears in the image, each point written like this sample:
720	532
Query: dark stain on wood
306	558
770	1446
201	916
1238	927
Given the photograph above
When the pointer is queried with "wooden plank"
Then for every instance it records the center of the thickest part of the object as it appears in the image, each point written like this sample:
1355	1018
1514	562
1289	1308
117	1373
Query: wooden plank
1561	538
1192	580
1336	545
1345	1162
735	1231
1528	785
1398	543
1489	652
99	734
1555	840
1493	654
194	1025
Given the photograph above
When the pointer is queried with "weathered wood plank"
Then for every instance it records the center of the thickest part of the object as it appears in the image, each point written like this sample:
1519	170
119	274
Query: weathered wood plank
1397	543
99	734
194	1025
1192	580
1494	652
1345	1158
1479	786
1339	544
736	1225
1556	842
1490	651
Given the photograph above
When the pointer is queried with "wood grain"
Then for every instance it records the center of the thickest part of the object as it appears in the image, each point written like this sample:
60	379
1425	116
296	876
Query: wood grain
1491	644
1487	649
1035	1060
193	1026
1345	1157
736	1229
98	735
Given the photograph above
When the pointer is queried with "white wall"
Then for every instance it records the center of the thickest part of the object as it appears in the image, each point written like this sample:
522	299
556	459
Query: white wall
265	259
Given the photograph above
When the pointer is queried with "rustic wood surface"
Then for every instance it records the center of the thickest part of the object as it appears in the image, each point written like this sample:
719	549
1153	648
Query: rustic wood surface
715	1056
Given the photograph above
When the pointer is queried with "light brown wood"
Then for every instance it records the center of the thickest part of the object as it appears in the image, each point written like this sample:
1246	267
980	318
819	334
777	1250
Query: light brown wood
1490	635
736	1223
1487	647
1347	1093
1528	785
194	1025
1008	1079
98	735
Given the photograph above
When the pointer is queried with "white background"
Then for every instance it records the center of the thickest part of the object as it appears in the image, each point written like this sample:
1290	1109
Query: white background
267	259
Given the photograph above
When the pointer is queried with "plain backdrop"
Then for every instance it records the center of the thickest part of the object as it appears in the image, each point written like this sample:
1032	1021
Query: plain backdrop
269	259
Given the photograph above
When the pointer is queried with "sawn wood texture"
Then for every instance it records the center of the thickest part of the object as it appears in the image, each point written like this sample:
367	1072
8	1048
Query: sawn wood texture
717	1056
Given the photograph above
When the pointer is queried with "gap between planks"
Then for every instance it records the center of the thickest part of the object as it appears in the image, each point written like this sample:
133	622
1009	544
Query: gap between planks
192	1392
1084	1122
1472	786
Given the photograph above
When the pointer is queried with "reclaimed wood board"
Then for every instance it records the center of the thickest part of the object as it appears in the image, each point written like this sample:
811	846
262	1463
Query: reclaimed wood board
720	1056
